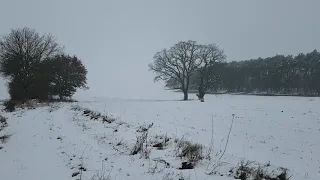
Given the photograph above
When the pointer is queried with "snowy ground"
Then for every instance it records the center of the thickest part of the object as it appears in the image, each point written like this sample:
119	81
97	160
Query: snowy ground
57	142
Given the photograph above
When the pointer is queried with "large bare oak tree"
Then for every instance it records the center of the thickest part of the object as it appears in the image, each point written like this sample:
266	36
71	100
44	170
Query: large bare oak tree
178	63
186	60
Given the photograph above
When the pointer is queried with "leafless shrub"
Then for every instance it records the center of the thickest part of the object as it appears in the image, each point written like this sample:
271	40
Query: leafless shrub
76	174
284	174
249	170
214	169
144	128
121	147
158	165
259	174
81	167
3	122
192	152
244	170
108	119
159	141
119	143
141	143
4	138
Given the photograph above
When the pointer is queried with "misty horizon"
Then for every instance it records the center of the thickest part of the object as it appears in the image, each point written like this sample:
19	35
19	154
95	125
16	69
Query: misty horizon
117	40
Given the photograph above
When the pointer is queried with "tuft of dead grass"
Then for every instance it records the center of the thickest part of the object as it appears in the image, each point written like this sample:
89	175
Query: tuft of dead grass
246	170
191	152
5	138
94	115
141	145
3	122
160	141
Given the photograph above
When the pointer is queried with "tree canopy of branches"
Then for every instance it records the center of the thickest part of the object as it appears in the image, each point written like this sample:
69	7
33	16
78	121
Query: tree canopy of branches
35	68
66	74
208	73
180	62
21	53
279	74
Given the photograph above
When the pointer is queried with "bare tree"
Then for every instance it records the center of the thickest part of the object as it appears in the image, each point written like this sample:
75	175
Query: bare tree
21	53
177	63
209	72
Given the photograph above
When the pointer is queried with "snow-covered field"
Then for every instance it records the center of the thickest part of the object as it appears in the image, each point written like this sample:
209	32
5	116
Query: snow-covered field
59	141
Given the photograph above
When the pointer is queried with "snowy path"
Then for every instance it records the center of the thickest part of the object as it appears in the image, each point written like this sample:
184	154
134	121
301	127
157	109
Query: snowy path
32	151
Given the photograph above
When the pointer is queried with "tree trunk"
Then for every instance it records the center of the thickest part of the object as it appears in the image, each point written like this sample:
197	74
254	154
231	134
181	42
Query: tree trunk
201	91
185	92
61	97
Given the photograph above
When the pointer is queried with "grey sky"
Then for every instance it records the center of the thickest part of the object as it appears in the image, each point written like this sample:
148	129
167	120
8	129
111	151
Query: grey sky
117	39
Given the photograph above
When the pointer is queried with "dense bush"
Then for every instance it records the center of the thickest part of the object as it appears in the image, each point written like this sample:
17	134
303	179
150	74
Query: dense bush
36	67
9	106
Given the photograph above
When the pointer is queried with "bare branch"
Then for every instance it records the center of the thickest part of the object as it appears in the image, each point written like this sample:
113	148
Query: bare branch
210	56
178	63
26	48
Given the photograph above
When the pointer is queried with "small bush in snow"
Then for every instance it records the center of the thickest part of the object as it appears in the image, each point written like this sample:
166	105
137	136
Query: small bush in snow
158	165
108	119
192	152
160	141
4	138
144	128
247	170
3	122
141	141
9	106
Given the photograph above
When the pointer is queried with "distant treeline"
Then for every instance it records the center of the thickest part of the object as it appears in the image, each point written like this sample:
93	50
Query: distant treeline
299	75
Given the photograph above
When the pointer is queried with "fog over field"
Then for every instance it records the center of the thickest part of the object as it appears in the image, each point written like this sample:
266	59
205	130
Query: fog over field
159	90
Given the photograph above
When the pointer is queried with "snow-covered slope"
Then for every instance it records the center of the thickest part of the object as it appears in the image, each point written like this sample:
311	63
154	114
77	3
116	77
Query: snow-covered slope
59	141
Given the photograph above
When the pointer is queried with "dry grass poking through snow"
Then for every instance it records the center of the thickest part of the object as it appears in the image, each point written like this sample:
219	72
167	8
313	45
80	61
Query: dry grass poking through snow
166	157
249	170
141	145
190	152
4	138
3	124
94	115
160	141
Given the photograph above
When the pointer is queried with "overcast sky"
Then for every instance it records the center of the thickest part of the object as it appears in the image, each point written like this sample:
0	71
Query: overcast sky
117	39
